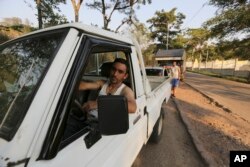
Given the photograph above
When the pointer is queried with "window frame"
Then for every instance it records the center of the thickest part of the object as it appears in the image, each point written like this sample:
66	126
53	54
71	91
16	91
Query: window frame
52	143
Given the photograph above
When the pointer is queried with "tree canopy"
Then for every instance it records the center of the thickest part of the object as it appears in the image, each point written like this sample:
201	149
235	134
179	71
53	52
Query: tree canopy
46	14
233	17
107	9
166	25
232	27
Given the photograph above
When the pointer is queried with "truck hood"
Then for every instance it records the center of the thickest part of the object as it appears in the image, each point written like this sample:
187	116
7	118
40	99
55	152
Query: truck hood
10	155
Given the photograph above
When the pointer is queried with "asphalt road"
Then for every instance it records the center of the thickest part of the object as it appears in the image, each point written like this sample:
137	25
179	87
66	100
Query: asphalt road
233	95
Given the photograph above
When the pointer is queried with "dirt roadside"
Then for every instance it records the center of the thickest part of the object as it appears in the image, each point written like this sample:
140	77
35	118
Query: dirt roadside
175	148
215	131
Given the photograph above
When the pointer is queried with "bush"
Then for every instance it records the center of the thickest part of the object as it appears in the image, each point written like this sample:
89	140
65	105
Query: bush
3	38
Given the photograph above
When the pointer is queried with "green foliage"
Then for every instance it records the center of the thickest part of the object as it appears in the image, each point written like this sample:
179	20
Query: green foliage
48	12
230	22
3	38
243	49
224	4
236	48
179	42
55	19
12	28
197	40
198	35
213	53
233	20
166	25
142	35
233	17
49	15
148	54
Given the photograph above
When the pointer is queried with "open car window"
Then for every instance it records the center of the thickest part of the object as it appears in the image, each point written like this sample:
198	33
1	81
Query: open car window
99	63
97	67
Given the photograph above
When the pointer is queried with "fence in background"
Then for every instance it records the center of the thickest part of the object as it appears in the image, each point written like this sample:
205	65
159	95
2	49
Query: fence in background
232	67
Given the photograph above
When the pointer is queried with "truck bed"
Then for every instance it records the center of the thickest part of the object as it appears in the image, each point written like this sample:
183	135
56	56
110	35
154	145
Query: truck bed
156	81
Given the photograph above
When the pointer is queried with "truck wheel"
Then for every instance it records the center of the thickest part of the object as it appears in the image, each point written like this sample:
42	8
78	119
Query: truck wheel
157	131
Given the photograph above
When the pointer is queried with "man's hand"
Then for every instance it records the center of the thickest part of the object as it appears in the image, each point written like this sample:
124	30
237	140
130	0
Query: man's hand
89	105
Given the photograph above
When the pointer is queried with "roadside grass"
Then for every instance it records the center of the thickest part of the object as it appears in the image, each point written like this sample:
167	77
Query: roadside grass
232	78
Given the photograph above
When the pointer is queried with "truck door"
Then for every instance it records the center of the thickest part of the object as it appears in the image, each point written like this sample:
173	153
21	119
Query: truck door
65	143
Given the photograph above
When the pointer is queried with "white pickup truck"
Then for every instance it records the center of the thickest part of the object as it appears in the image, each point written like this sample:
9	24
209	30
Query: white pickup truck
39	100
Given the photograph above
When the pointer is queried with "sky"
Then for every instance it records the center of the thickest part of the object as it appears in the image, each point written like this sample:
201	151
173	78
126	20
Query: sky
196	11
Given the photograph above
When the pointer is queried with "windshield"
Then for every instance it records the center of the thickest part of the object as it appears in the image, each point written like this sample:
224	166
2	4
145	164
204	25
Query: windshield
154	72
22	65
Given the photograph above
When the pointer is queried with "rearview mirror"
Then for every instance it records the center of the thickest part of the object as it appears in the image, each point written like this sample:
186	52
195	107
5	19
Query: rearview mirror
112	114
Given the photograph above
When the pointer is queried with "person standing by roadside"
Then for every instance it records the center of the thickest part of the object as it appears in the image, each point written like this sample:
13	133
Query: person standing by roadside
176	73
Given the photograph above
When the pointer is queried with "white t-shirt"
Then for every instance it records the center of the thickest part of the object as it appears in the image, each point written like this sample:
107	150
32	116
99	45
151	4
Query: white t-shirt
117	92
175	72
103	91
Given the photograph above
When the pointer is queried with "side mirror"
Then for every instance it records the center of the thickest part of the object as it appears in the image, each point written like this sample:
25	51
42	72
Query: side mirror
112	114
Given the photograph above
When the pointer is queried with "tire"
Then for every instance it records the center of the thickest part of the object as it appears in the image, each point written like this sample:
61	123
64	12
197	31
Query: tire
157	131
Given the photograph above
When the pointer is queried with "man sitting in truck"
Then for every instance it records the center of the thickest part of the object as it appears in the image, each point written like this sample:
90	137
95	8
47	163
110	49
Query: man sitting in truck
114	86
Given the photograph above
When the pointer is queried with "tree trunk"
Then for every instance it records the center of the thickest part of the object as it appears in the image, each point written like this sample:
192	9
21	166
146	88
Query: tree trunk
193	60
105	23
76	17
199	66
76	8
39	14
221	70
235	66
105	18
248	79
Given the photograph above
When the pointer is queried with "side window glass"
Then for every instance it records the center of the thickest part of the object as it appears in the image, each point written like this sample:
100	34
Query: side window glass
22	65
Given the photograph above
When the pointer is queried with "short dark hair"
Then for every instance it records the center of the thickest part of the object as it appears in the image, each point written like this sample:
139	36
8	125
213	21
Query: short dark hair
122	61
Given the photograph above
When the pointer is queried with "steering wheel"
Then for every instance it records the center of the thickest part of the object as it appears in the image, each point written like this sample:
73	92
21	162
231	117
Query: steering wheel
79	99
78	112
78	104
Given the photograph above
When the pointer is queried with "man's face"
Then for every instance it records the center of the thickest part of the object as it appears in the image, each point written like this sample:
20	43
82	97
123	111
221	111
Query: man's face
118	73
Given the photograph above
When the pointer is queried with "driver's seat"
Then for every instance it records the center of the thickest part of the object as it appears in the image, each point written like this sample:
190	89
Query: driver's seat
106	68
